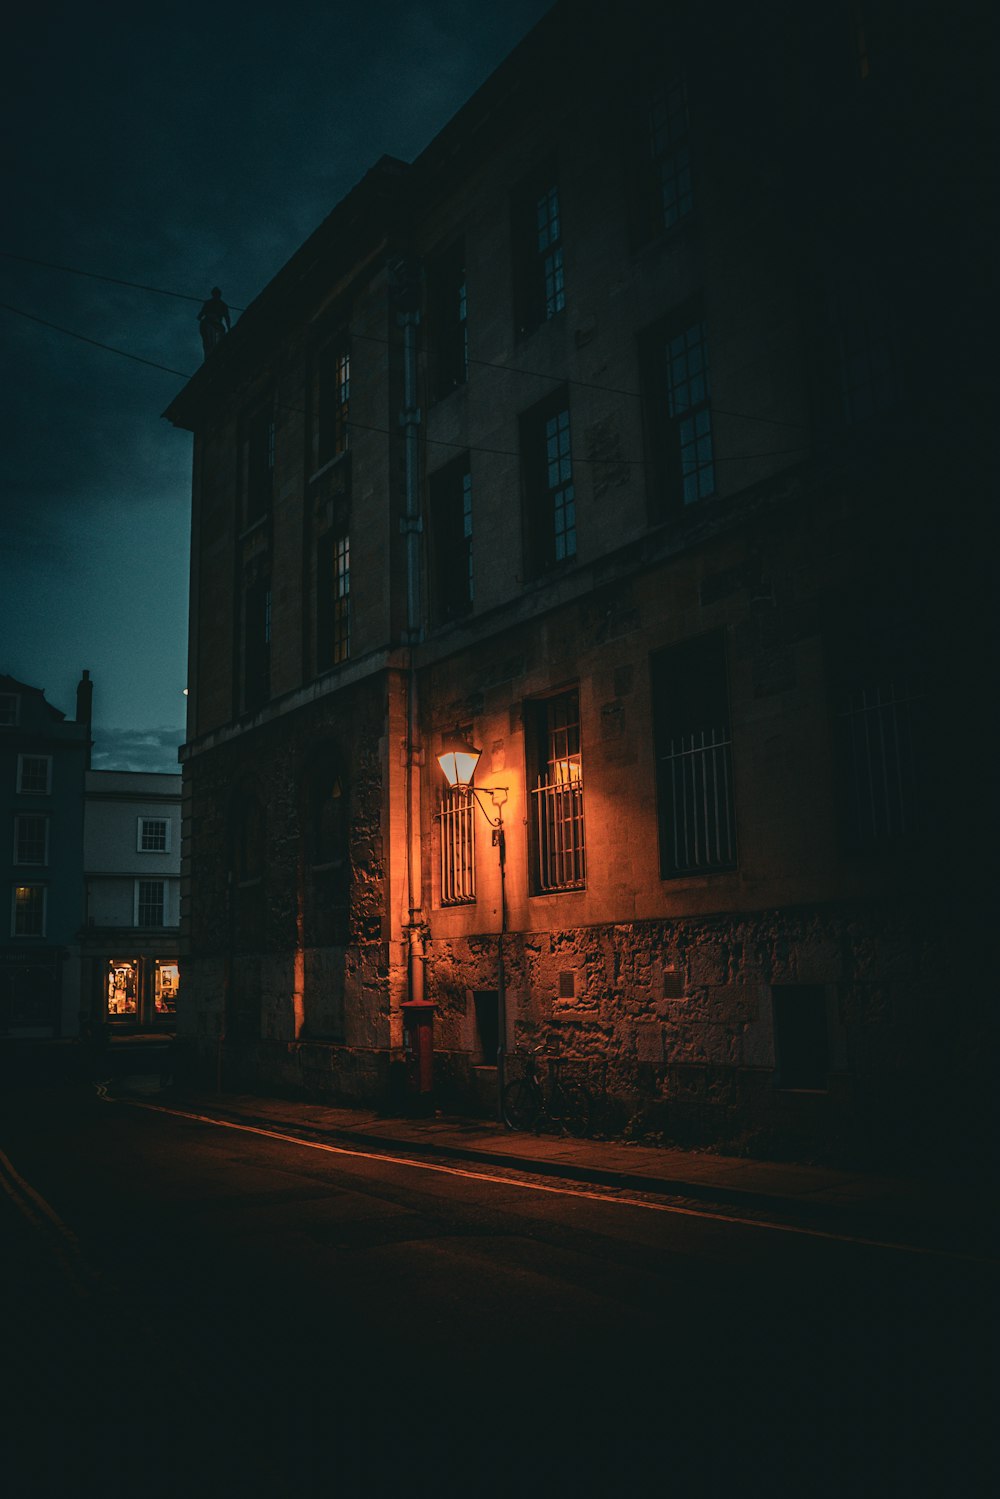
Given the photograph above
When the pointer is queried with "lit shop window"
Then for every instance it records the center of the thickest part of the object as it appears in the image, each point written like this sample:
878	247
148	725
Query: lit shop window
123	987
165	985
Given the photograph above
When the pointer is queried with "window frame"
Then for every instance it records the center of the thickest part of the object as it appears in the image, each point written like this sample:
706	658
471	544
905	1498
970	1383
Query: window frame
139	903
548	497
679	396
13	699
43	892
538	249
23	790
557	842
333	598
697	778
448	319
141	825
450	510
18	859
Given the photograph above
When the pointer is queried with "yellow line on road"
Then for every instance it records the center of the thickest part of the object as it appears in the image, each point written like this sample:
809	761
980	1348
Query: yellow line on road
634	1202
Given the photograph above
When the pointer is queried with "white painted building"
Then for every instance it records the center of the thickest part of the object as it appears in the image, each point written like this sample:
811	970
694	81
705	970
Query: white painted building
132	838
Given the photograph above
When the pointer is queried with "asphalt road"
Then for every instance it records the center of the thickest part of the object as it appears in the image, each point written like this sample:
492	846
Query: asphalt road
194	1309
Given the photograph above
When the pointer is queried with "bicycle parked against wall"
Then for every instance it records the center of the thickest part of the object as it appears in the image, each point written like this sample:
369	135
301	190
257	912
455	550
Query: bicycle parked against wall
531	1103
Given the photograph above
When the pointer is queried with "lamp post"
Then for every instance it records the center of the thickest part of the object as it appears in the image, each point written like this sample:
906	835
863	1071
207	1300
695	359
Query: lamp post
458	761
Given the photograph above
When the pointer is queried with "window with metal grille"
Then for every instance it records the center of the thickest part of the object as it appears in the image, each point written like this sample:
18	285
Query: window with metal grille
31	839
549	492
539	271
693	758
28	919
333	401
878	760
451	539
458	848
149	902
154	835
447	320
555	767
34	775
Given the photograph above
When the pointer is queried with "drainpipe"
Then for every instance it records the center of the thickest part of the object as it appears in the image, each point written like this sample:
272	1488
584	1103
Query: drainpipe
408	319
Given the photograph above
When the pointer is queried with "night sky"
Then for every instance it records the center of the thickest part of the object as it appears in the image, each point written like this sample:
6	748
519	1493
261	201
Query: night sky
177	147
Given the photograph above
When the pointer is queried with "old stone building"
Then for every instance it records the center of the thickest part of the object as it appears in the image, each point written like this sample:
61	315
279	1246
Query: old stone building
616	434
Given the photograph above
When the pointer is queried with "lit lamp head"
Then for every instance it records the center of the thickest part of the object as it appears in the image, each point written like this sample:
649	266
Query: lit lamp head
458	759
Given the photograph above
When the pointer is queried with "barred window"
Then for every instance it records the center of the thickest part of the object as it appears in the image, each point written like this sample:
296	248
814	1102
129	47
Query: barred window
458	848
555	765
877	725
694	758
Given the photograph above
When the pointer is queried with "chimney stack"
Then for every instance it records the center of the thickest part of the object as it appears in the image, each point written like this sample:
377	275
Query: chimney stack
85	707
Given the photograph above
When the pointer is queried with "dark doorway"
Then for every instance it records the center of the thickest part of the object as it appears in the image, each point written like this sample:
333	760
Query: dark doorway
487	1024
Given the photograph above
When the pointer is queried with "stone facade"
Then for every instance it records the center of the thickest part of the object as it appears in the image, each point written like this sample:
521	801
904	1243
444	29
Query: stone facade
484	384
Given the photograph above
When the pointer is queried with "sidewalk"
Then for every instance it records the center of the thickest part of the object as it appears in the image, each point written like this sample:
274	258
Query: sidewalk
917	1212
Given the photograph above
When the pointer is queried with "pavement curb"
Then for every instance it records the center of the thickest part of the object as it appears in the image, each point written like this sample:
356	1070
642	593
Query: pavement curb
530	1164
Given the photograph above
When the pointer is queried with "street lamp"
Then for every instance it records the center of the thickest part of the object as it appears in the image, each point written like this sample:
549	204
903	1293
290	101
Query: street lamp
458	761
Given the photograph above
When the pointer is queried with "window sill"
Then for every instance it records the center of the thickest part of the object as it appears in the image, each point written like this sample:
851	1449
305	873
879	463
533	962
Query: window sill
336	461
254	526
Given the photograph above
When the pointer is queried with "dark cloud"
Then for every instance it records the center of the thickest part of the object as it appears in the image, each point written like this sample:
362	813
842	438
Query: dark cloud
181	147
136	749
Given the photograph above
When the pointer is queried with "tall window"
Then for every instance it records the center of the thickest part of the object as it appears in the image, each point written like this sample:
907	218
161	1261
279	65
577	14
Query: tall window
862	339
555	769
166	982
332	400
150	898
34	775
122	987
153	835
694	779
539	273
31	839
333	599
679	410
447	320
878	705
28	917
458	848
549	493
664	187
10	704
258	462
451	539
257	644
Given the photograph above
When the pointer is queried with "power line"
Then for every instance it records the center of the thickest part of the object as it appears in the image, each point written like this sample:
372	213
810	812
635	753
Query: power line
71	270
95	343
491	364
612	461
